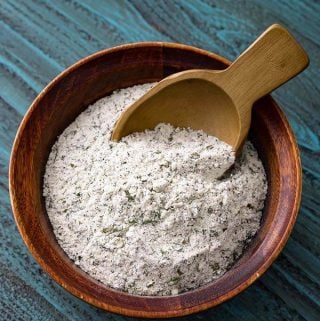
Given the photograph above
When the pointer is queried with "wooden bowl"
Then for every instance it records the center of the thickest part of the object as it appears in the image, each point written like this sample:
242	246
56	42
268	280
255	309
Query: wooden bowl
96	76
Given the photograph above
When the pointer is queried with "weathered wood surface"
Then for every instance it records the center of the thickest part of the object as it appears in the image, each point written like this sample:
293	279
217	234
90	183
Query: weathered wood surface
38	39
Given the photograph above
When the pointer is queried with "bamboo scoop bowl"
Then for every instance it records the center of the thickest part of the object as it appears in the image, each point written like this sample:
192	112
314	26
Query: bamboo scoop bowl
218	102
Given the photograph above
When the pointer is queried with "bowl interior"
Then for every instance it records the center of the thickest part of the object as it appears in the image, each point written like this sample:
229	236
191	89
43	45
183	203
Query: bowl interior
96	76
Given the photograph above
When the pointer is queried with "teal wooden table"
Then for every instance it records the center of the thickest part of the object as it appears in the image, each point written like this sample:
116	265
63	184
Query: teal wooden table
38	39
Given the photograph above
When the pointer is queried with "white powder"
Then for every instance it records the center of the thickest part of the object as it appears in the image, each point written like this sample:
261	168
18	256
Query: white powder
148	215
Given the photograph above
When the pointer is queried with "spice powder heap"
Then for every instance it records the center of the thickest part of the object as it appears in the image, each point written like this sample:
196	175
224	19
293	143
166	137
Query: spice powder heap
151	214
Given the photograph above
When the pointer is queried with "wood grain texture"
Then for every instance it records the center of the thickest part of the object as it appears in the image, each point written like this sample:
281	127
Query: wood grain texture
226	97
38	39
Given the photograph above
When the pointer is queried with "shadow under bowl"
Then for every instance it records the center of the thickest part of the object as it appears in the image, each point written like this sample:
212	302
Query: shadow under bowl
97	76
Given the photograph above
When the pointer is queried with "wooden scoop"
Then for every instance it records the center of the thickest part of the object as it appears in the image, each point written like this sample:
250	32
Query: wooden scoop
218	102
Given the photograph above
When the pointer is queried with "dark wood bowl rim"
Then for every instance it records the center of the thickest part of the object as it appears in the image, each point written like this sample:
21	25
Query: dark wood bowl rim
161	313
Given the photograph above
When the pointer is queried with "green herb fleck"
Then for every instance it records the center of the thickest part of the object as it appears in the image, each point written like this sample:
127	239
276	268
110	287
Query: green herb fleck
150	284
174	280
129	196
215	267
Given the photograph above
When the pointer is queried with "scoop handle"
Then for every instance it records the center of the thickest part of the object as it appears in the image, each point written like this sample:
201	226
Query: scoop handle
274	58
